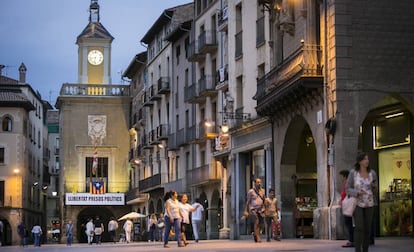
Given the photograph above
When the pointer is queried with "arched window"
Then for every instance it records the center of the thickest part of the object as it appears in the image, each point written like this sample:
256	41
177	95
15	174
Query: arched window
7	124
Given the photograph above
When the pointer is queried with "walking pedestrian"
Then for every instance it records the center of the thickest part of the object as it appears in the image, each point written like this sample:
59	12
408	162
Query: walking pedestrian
161	227
112	227
21	231
128	230
362	184
271	216
347	219
185	209
255	208
37	232
172	217
196	218
69	233
89	231
99	229
152	225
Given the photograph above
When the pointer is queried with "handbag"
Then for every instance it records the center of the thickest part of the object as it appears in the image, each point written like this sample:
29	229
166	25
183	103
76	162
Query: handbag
348	205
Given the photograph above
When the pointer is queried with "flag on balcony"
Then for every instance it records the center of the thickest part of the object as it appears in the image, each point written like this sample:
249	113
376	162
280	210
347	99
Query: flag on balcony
95	161
97	187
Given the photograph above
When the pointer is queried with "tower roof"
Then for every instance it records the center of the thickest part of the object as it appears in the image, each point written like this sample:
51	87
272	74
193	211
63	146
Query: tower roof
94	30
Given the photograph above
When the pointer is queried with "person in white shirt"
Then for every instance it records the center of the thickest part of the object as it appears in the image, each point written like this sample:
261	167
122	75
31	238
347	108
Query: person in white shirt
90	230
128	230
37	232
196	218
185	209
112	227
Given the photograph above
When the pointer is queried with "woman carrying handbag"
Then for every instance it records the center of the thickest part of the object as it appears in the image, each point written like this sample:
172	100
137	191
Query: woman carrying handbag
362	184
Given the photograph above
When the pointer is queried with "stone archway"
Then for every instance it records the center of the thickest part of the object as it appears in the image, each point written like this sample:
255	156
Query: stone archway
298	172
151	208
91	212
7	232
159	206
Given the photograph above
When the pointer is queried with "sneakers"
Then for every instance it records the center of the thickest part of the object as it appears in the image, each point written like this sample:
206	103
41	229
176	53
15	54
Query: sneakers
181	245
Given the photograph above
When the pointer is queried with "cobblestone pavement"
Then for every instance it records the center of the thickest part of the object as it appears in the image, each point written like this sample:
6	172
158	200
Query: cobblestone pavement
292	245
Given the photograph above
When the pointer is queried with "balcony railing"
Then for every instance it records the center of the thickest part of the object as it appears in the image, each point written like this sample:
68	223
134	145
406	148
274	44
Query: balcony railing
94	90
202	175
181	140
207	85
163	85
207	41
223	17
153	93
162	132
305	62
152	137
193	53
150	182
146	98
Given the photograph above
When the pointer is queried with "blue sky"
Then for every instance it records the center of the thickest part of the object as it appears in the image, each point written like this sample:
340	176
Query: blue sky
42	35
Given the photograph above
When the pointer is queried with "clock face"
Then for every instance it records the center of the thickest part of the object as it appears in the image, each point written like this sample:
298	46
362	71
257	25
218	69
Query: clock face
95	57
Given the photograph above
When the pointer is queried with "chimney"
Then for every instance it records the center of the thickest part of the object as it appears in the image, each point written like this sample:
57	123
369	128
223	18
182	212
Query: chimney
1	69
22	73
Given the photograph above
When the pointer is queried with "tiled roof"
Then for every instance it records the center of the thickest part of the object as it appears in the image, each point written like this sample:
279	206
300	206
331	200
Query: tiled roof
14	98
95	30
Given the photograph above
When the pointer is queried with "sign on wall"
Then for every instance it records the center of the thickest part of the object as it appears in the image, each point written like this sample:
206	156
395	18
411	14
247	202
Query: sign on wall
87	199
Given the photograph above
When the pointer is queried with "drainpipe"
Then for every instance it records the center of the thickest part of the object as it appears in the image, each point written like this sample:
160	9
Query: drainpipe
329	158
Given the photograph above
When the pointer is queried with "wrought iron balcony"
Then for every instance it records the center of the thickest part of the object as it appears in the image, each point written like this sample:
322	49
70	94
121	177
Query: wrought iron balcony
223	17
150	183
152	137
207	42
181	140
203	175
146	99
207	86
297	80
163	85
193	53
153	93
162	132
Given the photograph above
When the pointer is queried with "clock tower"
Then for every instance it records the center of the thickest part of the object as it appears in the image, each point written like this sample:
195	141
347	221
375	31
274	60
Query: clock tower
94	50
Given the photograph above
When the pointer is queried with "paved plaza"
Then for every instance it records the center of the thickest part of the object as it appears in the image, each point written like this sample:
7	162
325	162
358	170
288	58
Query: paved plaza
295	245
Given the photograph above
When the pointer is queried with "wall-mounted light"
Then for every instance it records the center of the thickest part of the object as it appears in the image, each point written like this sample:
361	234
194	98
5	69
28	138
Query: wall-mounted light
44	187
161	146
54	194
209	123
137	161
224	128
35	183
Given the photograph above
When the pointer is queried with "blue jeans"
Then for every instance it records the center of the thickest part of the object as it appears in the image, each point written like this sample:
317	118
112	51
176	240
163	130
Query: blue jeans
177	230
36	239
69	239
196	227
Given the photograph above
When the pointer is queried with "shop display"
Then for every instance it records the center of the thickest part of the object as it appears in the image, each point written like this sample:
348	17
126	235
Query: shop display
395	209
